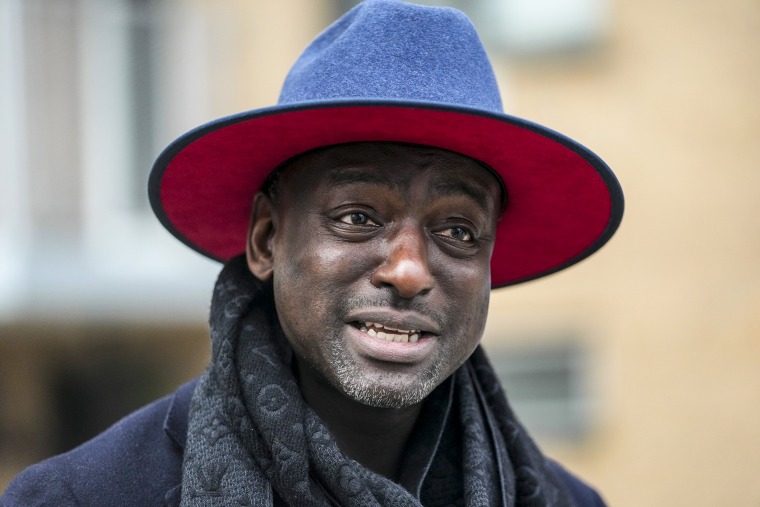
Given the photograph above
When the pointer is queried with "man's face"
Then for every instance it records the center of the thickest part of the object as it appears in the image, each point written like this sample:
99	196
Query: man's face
381	266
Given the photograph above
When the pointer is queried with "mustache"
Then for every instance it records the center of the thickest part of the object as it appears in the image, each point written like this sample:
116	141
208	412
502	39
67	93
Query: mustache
388	300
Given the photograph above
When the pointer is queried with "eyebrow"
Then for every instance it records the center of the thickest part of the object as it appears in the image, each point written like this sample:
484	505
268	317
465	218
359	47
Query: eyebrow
350	175
462	187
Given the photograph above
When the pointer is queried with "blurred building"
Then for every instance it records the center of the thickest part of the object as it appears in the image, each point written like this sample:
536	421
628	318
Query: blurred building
639	368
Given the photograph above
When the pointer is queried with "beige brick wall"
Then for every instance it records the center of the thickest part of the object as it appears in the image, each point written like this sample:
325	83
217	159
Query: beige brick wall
671	306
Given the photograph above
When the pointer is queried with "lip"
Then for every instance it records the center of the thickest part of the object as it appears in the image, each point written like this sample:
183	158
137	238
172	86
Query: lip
396	319
388	351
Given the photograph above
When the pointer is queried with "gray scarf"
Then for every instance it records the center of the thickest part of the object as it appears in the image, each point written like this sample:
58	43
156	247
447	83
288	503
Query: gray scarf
253	440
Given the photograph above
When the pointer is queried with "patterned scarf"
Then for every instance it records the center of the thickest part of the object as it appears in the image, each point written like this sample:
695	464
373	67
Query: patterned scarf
253	440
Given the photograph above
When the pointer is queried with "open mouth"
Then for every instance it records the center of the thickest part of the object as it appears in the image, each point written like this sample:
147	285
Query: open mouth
388	333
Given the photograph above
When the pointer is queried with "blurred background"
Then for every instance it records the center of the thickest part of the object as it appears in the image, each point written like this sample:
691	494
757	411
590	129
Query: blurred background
638	368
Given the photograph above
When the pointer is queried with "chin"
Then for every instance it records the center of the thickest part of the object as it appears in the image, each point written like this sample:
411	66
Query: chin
393	392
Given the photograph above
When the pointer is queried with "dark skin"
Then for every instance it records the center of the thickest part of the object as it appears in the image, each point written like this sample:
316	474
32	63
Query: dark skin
379	256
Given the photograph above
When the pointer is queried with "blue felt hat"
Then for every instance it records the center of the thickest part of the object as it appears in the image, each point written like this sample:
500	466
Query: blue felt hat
394	71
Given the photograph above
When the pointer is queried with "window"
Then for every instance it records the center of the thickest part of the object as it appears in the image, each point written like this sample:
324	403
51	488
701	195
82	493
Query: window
547	386
85	111
14	208
529	27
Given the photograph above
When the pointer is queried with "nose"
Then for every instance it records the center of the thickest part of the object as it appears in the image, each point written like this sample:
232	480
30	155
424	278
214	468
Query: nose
406	266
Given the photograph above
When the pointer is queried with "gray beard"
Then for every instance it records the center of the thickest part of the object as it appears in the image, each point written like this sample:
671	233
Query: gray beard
384	391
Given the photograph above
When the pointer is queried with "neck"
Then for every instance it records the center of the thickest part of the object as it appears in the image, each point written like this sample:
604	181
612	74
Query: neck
375	437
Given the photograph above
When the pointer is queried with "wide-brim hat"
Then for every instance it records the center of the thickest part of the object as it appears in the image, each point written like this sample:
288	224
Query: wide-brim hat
391	71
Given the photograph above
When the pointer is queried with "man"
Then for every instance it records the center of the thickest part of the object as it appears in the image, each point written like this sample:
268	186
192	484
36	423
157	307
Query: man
389	195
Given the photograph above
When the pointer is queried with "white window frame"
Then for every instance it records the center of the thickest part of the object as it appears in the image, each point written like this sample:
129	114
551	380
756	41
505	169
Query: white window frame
129	255
14	205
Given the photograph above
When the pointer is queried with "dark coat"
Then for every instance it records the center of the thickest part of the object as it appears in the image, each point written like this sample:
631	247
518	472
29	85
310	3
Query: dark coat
138	462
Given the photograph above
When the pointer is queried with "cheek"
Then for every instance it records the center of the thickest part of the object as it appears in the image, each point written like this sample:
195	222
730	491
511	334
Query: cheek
313	267
475	313
482	309
311	279
474	325
468	280
297	292
468	289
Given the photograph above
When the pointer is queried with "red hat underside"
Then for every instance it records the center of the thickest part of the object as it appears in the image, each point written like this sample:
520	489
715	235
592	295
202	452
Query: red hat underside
558	206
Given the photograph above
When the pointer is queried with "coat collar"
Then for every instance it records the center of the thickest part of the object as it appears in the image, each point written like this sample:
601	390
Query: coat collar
175	423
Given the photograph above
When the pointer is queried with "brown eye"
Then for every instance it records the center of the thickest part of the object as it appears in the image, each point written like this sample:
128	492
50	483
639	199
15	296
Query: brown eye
458	233
356	219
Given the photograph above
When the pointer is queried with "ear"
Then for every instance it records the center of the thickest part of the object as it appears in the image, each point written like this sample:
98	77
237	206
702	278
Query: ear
261	232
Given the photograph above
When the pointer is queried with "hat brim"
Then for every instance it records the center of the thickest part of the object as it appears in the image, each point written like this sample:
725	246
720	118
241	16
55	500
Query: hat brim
563	204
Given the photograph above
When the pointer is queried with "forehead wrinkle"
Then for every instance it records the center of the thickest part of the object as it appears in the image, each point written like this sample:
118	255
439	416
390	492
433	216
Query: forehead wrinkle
348	175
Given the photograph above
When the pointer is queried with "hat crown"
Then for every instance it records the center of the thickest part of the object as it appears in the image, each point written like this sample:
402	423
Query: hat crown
394	50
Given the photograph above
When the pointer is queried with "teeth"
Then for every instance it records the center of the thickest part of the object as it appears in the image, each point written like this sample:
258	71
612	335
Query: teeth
390	334
369	324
